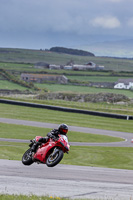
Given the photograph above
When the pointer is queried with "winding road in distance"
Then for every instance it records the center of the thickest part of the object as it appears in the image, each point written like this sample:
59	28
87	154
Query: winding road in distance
67	180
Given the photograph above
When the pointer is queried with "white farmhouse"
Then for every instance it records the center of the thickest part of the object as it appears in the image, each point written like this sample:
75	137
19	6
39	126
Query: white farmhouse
124	84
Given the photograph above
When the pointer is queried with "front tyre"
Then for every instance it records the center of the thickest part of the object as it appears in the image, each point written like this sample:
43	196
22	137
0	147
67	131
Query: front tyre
54	159
27	157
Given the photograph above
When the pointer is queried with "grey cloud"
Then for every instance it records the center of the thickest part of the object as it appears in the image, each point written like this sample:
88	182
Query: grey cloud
23	19
107	22
57	15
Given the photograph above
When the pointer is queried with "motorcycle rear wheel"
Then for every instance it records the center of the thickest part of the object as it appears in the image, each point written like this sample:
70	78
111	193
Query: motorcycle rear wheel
52	161
27	157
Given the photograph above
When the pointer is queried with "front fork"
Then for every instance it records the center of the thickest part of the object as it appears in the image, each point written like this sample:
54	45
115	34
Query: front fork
31	144
54	152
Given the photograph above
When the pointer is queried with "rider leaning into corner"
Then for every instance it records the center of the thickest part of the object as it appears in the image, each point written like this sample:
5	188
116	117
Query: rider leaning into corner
62	130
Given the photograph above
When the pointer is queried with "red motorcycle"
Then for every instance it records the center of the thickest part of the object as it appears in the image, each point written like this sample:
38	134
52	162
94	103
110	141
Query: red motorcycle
50	153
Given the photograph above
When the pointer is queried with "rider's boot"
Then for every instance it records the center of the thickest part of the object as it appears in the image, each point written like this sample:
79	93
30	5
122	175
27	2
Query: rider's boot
40	141
34	147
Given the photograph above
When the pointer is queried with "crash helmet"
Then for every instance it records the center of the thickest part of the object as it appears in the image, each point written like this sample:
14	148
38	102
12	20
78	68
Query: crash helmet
63	129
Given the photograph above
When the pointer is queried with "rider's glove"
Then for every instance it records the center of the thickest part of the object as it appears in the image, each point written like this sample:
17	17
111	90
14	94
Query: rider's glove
53	137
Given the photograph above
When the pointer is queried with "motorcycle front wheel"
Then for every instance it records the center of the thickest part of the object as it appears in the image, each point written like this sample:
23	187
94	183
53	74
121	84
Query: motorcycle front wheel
54	159
27	157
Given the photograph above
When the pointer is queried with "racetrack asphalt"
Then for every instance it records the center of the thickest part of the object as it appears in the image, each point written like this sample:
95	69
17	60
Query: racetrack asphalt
66	181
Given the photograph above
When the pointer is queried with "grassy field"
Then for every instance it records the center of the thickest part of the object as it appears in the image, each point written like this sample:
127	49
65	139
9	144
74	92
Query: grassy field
58	117
4	84
28	132
97	78
125	109
10	85
16	66
110	157
82	89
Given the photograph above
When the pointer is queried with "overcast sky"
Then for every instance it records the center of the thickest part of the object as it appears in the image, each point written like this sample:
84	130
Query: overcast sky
46	23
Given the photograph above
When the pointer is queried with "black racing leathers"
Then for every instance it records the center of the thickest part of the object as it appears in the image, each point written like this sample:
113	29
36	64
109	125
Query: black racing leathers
52	134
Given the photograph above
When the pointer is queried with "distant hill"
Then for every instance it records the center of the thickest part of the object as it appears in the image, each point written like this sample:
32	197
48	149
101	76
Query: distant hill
118	48
71	51
32	56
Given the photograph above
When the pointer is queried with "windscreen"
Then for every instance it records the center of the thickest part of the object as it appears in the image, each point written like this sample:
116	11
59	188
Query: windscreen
65	138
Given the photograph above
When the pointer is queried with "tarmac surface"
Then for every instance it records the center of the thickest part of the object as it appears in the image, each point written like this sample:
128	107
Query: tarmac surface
67	181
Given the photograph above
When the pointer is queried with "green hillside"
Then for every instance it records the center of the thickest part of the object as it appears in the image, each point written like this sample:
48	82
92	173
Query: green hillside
28	56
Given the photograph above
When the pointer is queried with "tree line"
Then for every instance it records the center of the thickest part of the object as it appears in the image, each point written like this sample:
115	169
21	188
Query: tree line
71	51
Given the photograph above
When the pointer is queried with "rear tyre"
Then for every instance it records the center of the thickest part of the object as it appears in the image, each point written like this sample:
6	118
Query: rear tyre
54	160
27	157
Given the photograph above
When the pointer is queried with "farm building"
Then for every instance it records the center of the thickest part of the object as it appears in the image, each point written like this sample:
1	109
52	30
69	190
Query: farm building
92	65
124	84
79	67
54	67
41	65
41	78
69	66
87	66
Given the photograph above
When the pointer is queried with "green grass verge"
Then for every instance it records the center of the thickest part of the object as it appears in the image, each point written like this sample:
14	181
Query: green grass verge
29	132
109	157
58	117
12	151
126	109
28	197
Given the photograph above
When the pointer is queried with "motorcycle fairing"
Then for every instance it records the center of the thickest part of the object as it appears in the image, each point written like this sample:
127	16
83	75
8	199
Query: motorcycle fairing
46	148
44	151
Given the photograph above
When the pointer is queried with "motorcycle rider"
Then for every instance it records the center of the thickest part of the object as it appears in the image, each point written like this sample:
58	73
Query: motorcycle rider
62	130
